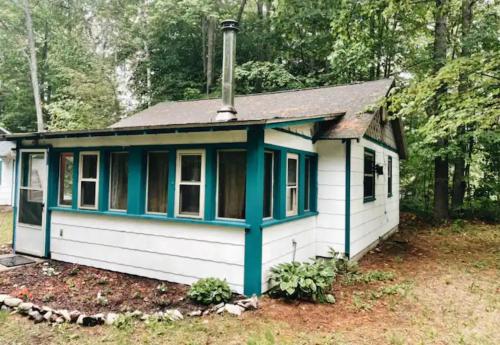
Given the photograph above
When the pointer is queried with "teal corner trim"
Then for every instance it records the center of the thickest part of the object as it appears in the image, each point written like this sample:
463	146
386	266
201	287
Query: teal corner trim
136	181
347	244
314	184
302	185
52	190
254	211
380	143
210	182
271	222
103	197
76	164
172	162
281	189
15	196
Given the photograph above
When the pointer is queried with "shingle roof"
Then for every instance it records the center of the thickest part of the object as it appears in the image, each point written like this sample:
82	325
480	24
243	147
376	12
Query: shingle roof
350	100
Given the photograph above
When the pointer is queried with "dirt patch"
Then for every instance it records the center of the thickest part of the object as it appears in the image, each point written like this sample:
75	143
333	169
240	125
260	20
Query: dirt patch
92	290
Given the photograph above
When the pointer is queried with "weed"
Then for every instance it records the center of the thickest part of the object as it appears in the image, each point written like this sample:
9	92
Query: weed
101	300
359	302
162	288
367	277
48	297
74	271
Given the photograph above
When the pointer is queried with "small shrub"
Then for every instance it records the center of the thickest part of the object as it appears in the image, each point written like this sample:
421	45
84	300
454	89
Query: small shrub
210	290
162	288
303	280
341	263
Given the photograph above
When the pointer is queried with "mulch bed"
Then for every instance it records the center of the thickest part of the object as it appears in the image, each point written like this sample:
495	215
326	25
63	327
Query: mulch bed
77	287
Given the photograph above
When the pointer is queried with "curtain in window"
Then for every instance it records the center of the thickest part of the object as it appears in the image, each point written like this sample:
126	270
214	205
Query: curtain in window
119	181
232	183
157	182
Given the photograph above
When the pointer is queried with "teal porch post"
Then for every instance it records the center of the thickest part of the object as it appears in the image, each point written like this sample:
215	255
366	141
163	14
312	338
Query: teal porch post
136	177
254	211
347	244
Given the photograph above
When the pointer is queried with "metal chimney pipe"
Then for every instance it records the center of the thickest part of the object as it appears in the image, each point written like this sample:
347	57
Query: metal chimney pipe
227	112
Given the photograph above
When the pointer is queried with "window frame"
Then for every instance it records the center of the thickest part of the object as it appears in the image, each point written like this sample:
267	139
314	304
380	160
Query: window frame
273	178
295	210
146	204
308	184
390	178
201	183
81	179
369	198
61	156
110	173
217	185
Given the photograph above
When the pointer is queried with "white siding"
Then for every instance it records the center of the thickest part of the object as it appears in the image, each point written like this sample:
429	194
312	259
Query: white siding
279	138
7	180
278	244
330	228
176	252
372	220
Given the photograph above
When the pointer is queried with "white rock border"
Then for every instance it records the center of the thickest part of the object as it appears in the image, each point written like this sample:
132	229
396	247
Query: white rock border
57	316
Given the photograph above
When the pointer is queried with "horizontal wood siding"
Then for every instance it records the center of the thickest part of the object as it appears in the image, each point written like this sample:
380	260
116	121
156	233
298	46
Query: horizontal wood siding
371	220
330	228
292	141
176	252
277	244
7	181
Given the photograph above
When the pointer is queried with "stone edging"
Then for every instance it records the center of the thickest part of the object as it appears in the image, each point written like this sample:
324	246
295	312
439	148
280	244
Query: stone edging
46	314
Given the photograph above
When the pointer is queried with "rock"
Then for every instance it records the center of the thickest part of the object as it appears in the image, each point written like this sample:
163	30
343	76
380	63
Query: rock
249	303
36	316
100	318
234	309
194	313
64	314
86	321
12	302
218	306
74	315
36	307
5	308
3	298
111	318
46	309
24	308
59	320
135	314
173	315
145	317
220	310
47	315
206	312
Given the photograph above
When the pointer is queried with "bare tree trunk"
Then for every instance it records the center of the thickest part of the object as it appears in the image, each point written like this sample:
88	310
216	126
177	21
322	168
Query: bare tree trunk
441	165
33	67
204	43
147	57
240	12
210	52
459	185
260	9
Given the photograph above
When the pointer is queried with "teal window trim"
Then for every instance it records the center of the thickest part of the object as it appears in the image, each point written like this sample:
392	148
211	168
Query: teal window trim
137	161
389	177
347	239
369	198
210	183
271	222
172	167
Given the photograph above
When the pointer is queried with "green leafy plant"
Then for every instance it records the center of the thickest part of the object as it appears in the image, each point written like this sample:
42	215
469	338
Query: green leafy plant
210	290
353	278
303	280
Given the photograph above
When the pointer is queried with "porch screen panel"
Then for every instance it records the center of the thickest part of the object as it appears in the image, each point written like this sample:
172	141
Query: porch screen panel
231	184
157	188
31	197
66	179
118	181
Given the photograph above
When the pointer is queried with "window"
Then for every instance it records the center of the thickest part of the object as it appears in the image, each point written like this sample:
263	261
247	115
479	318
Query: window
231	184
87	180
157	182
307	182
66	179
389	177
268	184
190	176
291	184
369	175
31	190
118	181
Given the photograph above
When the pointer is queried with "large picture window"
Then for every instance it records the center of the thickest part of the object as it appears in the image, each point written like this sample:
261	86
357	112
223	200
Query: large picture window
292	168
157	183
231	184
268	184
369	175
118	181
190	178
66	179
389	177
88	180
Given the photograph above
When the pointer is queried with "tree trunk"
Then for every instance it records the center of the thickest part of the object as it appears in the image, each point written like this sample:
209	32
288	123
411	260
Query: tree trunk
441	166
147	57
240	11
210	52
459	185
33	67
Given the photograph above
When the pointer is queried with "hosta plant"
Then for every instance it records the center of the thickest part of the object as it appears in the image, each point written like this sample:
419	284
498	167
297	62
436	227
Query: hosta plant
210	290
303	280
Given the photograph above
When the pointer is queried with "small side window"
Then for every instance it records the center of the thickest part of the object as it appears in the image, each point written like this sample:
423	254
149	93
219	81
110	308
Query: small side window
66	179
190	183
389	177
369	175
292	184
88	179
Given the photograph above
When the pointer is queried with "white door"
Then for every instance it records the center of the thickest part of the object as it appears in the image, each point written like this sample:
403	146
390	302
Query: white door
31	200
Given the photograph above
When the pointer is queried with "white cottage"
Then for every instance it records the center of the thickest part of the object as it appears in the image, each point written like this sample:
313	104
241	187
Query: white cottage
7	164
187	190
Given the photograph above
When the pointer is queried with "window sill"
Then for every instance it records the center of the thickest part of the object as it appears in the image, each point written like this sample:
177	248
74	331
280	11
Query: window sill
271	222
155	217
369	199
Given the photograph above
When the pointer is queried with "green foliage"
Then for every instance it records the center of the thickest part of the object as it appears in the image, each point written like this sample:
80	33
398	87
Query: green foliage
256	77
303	280
353	278
210	290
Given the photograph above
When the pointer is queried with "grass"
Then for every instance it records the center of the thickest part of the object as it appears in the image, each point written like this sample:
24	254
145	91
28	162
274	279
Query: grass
441	289
5	227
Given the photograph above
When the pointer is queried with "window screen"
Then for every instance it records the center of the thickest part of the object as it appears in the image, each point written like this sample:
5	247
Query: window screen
66	179
268	184
292	184
118	184
231	184
369	175
157	186
190	182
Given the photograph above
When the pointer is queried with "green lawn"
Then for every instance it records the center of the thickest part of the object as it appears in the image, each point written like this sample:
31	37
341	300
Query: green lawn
445	291
5	227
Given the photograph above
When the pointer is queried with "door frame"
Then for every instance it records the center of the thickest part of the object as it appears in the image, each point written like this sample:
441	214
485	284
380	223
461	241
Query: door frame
45	189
